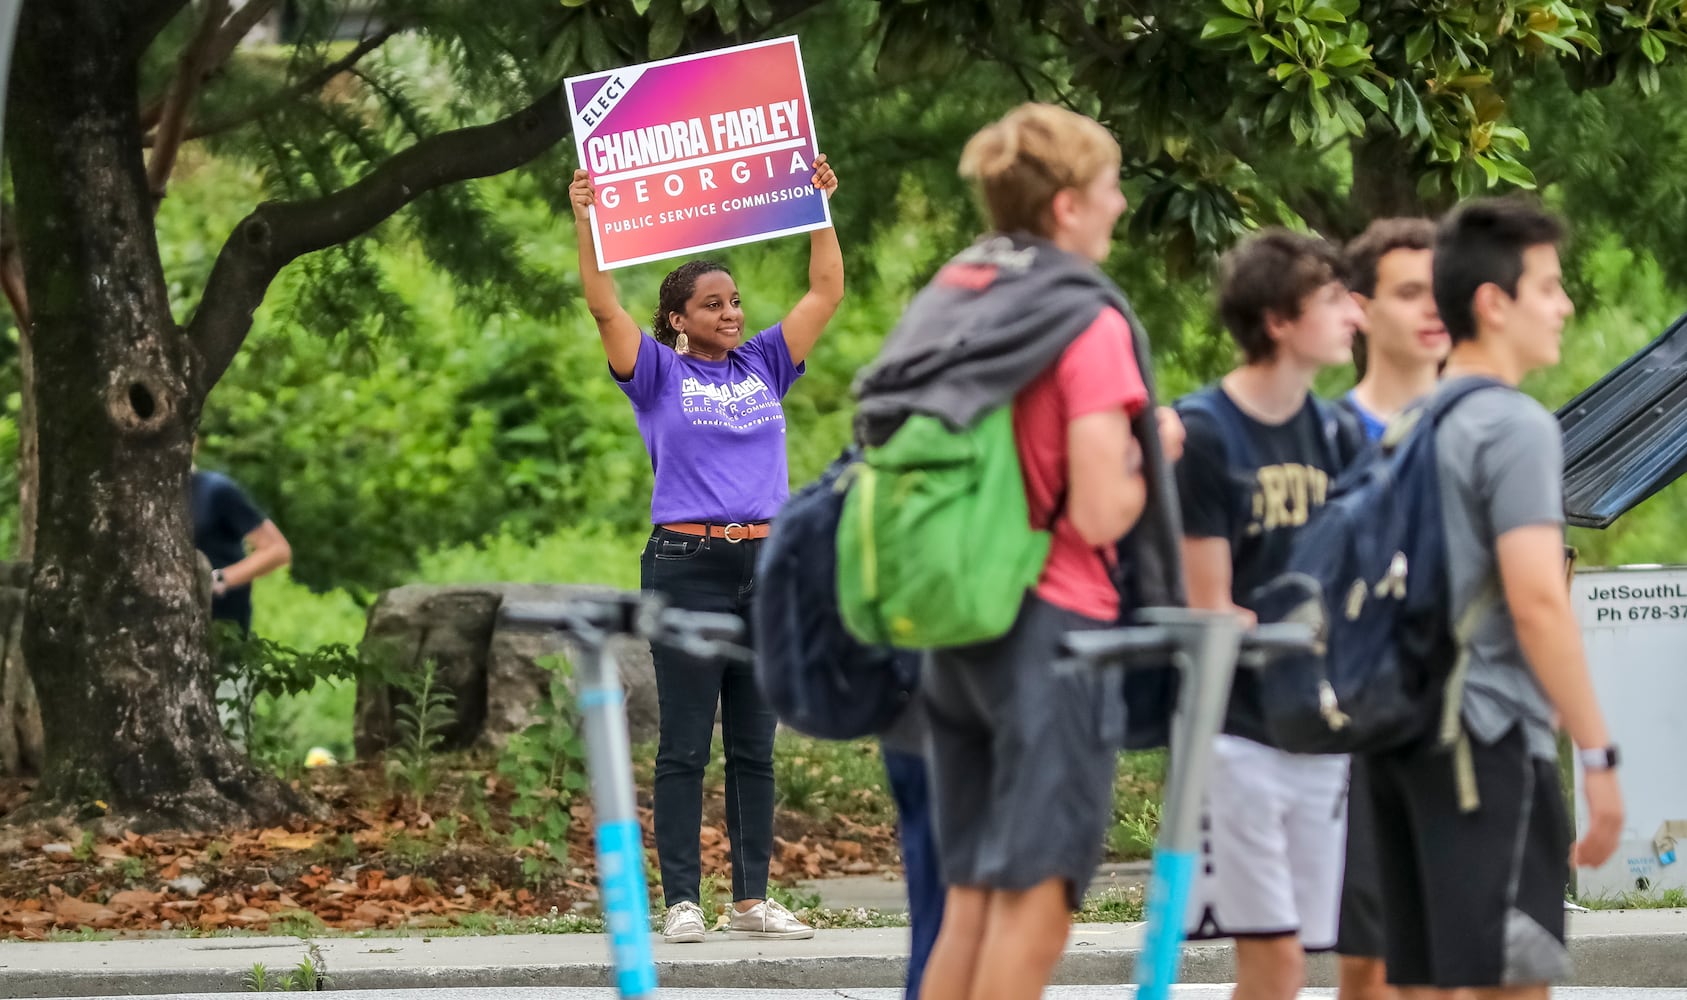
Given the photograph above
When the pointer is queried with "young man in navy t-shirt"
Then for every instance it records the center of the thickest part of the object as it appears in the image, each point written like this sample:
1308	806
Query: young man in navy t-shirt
1258	460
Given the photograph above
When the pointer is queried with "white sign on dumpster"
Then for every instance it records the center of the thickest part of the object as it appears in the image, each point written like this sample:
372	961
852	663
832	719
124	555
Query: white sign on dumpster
1634	622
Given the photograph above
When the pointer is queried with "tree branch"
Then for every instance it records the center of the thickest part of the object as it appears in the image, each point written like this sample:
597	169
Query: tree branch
277	233
238	26
11	270
172	124
280	100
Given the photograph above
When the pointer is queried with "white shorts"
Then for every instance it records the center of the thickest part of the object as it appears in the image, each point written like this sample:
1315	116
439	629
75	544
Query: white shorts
1275	835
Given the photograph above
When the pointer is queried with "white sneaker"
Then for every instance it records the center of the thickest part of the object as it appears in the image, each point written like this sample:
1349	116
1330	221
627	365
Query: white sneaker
769	920
683	924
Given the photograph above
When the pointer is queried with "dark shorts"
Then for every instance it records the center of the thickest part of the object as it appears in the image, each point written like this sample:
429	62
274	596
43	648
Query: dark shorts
1477	899
1022	758
1359	933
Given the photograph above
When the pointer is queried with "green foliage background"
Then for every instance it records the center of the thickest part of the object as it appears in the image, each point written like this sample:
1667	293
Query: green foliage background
430	404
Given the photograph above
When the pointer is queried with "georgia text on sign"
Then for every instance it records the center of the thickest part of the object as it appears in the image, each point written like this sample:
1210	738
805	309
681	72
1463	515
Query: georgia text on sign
673	185
649	220
727	131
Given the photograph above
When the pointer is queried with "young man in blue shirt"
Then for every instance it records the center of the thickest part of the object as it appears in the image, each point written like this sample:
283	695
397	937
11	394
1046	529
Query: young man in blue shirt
1390	273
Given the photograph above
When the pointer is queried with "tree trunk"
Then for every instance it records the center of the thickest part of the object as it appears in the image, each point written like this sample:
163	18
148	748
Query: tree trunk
1386	169
114	635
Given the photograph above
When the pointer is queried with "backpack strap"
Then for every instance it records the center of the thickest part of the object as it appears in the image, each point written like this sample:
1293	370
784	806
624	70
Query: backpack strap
1453	732
1212	403
1443	402
1344	437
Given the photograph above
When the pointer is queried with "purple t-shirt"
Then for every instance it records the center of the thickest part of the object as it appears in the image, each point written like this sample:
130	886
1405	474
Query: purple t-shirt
714	429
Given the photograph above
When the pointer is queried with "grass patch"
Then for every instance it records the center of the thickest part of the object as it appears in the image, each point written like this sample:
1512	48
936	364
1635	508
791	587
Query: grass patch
1666	899
81	934
851	919
823	778
1138	783
1115	906
297	923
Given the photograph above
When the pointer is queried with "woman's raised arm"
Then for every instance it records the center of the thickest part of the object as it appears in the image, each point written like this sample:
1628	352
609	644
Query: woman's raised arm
615	326
808	318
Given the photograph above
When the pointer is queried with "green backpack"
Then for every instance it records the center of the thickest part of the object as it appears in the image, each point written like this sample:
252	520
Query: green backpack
935	547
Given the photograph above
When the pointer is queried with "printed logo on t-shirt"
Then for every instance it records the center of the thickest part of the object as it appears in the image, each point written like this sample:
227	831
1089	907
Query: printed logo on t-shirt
1284	496
740	405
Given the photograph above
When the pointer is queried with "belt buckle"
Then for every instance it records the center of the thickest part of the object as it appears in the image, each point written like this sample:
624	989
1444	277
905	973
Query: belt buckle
726	533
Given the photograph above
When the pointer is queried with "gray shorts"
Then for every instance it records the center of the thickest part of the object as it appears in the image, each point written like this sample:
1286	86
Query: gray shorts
1022	758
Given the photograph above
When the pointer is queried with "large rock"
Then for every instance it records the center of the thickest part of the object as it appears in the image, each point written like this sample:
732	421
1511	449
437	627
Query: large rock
493	671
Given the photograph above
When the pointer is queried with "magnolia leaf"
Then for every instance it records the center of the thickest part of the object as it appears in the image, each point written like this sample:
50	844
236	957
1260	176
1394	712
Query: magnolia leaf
1652	46
726	13
1516	173
1220	27
667	30
1346	55
1371	92
1418	44
1349	115
1557	43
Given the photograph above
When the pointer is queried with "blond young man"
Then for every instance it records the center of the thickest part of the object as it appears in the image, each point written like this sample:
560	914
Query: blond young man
1021	757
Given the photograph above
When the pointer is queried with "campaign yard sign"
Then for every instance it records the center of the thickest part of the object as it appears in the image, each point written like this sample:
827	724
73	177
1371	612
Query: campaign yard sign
698	152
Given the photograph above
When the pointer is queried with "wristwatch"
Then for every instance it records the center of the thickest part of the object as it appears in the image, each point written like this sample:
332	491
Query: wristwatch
1599	758
218	585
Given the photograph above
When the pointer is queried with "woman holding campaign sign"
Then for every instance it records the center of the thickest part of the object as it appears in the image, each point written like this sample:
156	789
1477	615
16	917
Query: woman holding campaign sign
708	405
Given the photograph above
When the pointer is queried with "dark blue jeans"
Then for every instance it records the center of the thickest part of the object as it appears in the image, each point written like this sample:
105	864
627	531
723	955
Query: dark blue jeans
709	574
908	786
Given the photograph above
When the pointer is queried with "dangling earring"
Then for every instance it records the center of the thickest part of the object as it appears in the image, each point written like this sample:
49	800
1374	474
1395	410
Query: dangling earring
682	344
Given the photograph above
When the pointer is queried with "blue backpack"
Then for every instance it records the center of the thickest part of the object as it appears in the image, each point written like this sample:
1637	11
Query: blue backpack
1369	573
817	677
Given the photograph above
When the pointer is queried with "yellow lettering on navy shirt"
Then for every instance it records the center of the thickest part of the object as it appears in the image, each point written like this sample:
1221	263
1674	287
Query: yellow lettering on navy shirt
1284	496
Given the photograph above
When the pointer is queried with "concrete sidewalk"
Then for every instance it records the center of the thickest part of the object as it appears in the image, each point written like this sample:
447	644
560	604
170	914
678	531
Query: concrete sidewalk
886	892
1631	948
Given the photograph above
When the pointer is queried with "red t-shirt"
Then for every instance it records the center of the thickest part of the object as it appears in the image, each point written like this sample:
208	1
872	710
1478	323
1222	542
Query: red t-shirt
1096	373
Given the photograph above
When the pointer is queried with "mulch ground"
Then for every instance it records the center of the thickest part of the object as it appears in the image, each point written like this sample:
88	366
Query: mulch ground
379	861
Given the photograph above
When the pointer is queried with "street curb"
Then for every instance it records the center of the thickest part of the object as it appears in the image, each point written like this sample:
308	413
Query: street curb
1626	960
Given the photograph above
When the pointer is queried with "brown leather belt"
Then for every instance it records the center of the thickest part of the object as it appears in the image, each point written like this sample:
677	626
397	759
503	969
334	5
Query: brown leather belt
734	532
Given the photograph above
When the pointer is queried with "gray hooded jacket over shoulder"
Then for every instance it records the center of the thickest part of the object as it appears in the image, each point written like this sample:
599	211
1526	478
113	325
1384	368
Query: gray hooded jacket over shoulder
998	315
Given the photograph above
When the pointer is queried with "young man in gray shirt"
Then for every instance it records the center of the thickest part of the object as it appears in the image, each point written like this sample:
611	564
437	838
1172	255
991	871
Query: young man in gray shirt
1475	897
